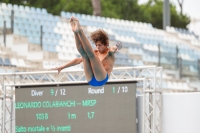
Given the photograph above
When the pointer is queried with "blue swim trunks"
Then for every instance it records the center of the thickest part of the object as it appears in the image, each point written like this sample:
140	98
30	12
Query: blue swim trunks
94	82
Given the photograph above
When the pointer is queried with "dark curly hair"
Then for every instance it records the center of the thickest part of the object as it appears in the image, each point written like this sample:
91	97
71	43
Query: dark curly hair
100	35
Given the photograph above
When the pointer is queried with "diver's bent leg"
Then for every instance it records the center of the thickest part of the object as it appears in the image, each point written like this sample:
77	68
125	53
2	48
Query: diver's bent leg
85	43
86	62
79	46
97	67
87	68
76	28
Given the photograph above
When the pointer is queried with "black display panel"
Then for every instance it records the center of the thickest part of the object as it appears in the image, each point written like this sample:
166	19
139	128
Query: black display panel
76	108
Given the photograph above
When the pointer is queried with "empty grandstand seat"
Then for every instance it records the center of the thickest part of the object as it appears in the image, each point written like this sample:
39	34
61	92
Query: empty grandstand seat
44	11
15	7
135	51
14	61
58	64
21	63
2	70
3	6
46	65
137	63
150	58
193	68
163	60
7	62
6	12
1	61
52	64
4	62
164	84
9	6
9	71
61	56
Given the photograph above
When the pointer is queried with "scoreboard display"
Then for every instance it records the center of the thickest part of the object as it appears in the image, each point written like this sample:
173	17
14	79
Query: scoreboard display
76	108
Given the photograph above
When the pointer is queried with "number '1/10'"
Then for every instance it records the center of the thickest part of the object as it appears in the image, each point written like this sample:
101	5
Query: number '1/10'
121	89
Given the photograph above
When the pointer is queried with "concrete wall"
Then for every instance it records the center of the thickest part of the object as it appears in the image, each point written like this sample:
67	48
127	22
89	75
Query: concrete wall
180	114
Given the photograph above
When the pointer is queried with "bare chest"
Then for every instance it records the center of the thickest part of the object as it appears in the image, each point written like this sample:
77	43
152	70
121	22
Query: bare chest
105	58
107	61
102	57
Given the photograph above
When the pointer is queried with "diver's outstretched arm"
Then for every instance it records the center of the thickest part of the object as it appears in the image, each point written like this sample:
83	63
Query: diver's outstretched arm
69	64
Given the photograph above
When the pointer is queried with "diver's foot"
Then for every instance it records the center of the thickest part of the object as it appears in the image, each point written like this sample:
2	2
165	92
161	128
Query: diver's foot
76	27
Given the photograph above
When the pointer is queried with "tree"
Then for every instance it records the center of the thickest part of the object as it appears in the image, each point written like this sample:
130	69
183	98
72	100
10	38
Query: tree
121	9
96	4
56	6
181	5
152	13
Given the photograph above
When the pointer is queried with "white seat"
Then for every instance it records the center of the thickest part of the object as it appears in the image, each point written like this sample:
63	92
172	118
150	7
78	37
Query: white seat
21	63
10	7
46	65
38	10
4	6
57	64
2	70
135	63
61	56
14	61
15	7
32	9
21	8
9	71
58	48
52	64
63	14
185	86
26	9
44	11
169	85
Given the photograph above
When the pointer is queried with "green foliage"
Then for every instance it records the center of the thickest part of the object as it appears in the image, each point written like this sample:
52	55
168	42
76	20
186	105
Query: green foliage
122	9
153	13
77	6
177	19
56	6
150	12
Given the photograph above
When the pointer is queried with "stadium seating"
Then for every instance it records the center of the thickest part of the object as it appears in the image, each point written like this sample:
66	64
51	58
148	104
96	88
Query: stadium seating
140	40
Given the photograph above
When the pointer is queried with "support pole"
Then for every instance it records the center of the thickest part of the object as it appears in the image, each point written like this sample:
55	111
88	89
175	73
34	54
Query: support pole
41	37
4	34
144	108
12	108
198	68
159	55
180	67
177	65
4	107
166	14
12	21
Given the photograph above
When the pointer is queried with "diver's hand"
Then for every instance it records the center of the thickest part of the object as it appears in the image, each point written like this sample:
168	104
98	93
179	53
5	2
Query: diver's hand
57	68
